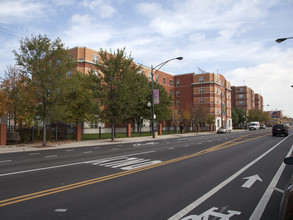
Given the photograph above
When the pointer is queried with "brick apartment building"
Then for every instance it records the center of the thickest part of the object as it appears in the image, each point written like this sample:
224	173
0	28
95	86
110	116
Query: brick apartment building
244	98
210	90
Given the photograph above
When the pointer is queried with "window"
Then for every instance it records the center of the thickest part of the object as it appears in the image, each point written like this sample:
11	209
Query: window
95	58
178	93
157	78
178	102
69	73
201	90
164	80
201	79
94	124
201	100
240	96
171	92
178	82
240	103
150	76
171	82
240	89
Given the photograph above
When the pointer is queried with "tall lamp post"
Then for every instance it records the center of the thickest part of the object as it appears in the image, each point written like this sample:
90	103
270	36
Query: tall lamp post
156	68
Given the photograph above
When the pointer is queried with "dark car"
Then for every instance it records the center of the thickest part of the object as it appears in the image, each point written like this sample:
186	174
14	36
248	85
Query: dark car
286	209
279	129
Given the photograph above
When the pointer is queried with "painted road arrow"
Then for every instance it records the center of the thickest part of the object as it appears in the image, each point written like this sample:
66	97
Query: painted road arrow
251	180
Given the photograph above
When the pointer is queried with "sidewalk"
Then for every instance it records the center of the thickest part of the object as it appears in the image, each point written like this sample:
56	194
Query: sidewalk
62	145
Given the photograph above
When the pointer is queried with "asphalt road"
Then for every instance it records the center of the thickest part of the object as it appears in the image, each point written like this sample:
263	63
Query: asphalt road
217	176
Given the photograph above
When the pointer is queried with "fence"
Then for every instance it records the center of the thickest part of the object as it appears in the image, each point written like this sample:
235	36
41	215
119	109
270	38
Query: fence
62	132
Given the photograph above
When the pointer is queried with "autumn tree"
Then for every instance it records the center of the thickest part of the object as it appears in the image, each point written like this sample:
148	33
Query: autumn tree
47	63
20	102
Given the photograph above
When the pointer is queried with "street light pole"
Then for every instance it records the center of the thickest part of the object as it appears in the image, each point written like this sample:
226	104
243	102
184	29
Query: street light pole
152	74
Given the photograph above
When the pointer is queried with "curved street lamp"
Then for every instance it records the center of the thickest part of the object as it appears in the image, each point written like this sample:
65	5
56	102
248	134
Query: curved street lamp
280	40
152	74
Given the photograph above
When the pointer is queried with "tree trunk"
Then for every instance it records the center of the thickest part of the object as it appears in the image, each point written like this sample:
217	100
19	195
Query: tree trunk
44	133
112	131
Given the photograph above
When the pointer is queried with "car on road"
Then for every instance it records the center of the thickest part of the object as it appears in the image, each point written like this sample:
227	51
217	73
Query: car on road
279	129
262	126
255	125
224	130
286	208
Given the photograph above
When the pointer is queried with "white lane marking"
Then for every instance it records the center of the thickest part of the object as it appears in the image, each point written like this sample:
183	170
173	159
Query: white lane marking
170	148
65	165
141	165
258	211
125	163
279	190
60	210
203	198
31	154
199	143
51	156
5	161
87	152
69	150
186	145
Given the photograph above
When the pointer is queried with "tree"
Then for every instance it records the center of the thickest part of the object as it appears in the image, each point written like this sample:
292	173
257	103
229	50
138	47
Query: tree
80	98
238	116
177	117
163	110
47	63
3	103
20	103
141	95
198	113
116	74
258	115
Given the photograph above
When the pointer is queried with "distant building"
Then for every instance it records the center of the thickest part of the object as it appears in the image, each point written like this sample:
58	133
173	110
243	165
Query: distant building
258	102
243	98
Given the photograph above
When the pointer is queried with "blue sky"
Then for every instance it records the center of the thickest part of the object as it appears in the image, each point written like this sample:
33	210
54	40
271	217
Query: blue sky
235	38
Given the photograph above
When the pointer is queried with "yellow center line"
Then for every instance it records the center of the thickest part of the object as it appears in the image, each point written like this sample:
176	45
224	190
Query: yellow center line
43	193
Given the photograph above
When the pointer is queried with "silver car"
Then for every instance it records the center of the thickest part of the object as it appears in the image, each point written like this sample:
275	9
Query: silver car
224	130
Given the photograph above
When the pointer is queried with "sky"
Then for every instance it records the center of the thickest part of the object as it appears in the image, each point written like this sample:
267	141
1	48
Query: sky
235	38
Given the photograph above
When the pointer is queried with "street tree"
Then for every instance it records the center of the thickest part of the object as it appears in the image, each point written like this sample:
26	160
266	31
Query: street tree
47	63
163	110
116	72
20	104
140	91
80	98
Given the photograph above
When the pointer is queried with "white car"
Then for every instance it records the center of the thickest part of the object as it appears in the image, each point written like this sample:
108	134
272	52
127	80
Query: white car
224	130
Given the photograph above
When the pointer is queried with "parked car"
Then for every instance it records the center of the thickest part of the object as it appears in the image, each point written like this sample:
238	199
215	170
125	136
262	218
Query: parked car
262	126
255	125
279	129
286	208
224	130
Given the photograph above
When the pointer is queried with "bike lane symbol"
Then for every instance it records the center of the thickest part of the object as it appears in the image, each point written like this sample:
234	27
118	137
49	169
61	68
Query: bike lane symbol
212	213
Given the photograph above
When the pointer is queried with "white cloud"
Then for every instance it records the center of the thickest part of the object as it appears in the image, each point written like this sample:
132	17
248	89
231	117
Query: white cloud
21	11
103	8
63	2
84	31
272	80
